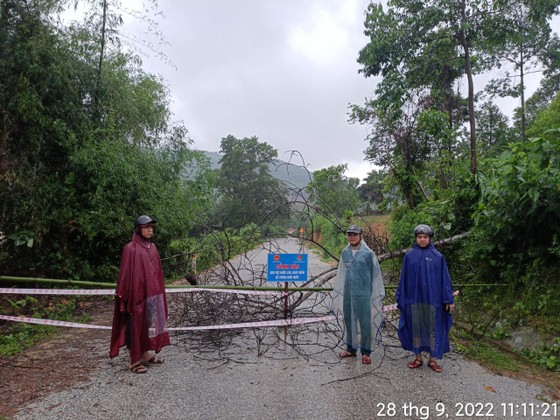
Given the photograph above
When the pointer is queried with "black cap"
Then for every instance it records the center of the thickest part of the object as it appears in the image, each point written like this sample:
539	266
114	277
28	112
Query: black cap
354	229
144	220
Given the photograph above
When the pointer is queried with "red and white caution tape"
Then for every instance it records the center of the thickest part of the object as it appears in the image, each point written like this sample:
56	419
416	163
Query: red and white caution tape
258	324
389	308
272	323
52	322
255	324
85	292
236	291
8	290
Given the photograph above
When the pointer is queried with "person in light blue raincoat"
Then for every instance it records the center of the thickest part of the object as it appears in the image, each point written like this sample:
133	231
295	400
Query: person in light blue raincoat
425	300
358	294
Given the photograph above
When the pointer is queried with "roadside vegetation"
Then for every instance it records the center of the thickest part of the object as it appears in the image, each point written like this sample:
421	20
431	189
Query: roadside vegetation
17	337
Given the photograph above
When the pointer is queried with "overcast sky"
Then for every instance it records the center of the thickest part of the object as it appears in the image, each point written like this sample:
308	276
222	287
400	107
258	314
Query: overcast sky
282	70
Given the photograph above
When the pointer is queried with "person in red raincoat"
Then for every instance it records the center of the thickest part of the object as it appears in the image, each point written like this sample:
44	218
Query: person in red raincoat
140	317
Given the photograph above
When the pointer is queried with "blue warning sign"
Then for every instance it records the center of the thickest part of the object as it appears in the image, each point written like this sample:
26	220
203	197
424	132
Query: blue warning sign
287	267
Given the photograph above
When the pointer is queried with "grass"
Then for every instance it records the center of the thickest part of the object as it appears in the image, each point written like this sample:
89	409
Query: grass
493	354
487	355
383	219
22	337
18	336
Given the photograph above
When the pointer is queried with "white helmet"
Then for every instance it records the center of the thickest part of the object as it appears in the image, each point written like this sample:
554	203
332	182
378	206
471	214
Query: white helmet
423	229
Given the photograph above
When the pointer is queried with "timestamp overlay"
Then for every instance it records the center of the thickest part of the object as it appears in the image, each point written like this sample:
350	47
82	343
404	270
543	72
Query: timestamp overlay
467	410
464	390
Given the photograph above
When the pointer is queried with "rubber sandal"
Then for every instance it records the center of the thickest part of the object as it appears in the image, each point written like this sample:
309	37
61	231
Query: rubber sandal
416	363
153	361
434	366
366	360
345	354
139	368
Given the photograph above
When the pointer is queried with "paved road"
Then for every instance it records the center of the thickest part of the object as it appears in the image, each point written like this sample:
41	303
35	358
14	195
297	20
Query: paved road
238	382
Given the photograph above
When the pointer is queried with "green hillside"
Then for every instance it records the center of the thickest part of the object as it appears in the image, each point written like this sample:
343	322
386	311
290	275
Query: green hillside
293	175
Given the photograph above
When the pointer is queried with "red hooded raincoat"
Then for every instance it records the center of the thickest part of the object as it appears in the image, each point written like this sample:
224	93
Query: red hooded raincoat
140	293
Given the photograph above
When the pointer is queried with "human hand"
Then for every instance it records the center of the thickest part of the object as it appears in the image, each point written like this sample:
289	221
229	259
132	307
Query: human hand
450	307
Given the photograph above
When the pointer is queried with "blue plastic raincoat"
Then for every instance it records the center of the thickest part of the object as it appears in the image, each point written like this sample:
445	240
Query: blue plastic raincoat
424	290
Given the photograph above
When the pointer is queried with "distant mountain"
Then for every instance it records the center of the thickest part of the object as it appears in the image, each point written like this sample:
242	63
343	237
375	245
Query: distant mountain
293	175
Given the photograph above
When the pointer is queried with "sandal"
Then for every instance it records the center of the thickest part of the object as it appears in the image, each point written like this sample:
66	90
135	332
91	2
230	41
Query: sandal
153	361
416	363
434	366
139	368
345	354
366	360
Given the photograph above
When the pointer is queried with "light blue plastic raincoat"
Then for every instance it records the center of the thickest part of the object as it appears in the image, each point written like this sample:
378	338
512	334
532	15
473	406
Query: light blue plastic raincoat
358	294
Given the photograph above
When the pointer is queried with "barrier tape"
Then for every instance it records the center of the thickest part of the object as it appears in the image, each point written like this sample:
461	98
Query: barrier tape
255	324
271	323
85	292
53	322
16	291
389	308
236	291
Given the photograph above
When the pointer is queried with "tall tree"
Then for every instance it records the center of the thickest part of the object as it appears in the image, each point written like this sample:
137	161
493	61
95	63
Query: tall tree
417	148
493	130
549	84
519	210
526	32
248	191
332	192
428	44
372	189
70	185
392	145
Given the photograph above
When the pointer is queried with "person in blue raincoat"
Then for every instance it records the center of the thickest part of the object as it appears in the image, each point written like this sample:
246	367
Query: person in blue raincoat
358	294
425	300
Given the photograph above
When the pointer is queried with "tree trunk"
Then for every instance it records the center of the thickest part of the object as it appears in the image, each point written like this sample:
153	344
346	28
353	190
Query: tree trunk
468	72
472	123
522	87
443	242
101	58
